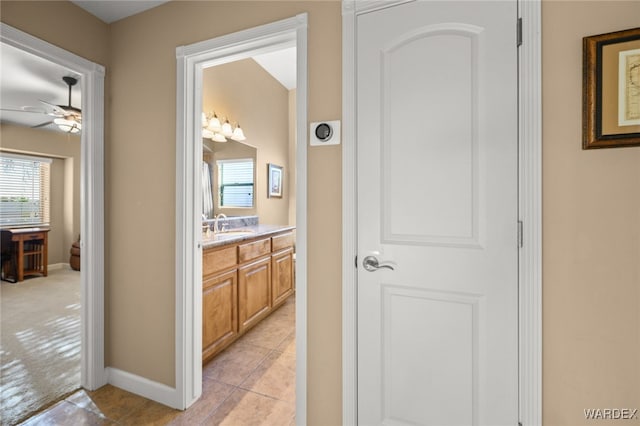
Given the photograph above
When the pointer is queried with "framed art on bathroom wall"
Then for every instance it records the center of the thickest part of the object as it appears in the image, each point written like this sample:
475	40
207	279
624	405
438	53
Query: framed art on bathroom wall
611	89
275	181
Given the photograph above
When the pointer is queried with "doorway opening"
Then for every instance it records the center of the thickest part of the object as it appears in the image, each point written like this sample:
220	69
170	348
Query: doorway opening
89	167
193	62
249	308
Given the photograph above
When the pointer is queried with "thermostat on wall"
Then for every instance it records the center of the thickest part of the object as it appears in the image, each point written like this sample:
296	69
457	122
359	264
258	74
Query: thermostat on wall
325	133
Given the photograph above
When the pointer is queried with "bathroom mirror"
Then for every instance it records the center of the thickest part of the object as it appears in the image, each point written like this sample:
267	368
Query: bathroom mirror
229	177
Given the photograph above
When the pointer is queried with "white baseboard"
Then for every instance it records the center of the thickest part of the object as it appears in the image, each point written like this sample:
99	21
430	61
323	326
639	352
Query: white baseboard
55	266
144	387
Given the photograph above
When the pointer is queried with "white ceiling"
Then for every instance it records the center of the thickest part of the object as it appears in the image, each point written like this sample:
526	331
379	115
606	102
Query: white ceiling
111	11
26	79
281	65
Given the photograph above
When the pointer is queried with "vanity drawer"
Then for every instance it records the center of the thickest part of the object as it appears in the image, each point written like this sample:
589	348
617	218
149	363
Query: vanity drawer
33	236
254	250
219	260
282	241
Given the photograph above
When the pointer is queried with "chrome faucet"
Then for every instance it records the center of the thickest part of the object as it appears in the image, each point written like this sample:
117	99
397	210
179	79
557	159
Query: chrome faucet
205	225
216	228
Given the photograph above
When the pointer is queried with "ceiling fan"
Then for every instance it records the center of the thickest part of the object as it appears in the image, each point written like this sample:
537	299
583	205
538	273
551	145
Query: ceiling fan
67	118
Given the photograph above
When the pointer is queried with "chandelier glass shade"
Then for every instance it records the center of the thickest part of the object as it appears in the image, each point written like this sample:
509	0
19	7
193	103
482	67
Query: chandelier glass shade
238	134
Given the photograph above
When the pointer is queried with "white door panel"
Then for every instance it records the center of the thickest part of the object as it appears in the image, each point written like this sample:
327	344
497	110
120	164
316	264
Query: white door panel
435	153
437	198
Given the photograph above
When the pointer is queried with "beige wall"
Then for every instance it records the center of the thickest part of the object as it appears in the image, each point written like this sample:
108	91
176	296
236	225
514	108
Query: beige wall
64	149
591	232
244	92
60	23
144	91
139	53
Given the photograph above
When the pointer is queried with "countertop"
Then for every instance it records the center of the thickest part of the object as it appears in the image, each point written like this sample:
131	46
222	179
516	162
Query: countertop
226	238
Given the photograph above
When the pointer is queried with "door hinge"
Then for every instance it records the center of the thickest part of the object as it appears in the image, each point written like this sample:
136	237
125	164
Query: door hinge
356	262
519	33
519	423
520	234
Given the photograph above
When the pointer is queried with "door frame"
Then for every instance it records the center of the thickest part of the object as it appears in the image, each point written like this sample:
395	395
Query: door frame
191	60
93	374
529	209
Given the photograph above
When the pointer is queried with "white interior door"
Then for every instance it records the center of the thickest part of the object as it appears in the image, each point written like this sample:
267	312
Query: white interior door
437	202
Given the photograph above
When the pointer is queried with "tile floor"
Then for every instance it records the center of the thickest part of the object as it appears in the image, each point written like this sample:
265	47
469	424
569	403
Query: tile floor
250	383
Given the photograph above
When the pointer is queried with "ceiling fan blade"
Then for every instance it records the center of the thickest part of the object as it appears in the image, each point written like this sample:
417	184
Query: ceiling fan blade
22	110
42	125
68	112
56	108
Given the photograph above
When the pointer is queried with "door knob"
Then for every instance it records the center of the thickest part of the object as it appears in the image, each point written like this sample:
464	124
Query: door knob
371	264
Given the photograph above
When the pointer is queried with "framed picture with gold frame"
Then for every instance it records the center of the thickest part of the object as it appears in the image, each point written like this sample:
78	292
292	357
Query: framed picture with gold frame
611	90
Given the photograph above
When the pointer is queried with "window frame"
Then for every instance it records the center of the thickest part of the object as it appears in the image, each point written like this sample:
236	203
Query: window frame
42	212
220	185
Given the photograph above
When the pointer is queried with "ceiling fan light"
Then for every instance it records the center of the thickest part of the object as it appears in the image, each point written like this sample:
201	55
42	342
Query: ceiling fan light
68	126
227	130
218	137
238	134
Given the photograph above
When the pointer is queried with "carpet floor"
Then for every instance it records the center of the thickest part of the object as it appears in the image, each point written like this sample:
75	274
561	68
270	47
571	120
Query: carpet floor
40	342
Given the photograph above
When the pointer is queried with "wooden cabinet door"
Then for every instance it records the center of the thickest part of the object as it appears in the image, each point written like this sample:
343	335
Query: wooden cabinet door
219	313
281	276
254	292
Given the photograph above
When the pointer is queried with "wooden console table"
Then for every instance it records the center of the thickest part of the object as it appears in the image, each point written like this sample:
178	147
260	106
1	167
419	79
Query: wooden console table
29	247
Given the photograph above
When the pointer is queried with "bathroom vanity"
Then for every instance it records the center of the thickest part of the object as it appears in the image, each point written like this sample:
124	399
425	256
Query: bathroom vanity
246	274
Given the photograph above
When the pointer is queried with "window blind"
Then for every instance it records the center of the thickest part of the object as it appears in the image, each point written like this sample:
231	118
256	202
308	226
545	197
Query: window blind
236	182
24	190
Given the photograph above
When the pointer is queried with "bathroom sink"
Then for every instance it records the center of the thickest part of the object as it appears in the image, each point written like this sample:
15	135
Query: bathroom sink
234	233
